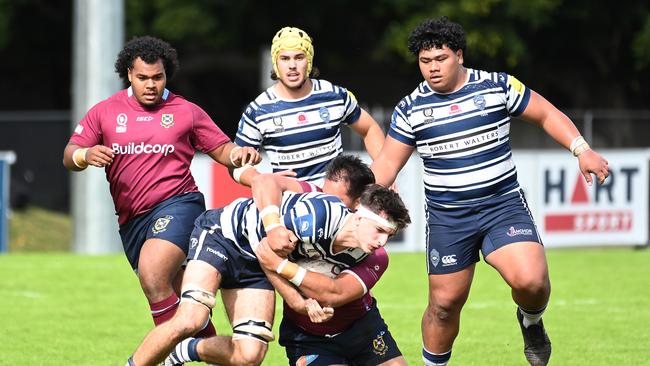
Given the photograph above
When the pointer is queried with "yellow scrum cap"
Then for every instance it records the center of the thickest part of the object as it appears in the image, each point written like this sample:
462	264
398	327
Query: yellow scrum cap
294	39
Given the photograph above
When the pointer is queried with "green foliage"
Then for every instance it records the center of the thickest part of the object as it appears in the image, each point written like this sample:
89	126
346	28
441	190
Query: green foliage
171	20
5	22
89	310
642	46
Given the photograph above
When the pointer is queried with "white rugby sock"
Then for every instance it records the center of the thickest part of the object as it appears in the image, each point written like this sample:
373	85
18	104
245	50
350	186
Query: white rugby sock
531	317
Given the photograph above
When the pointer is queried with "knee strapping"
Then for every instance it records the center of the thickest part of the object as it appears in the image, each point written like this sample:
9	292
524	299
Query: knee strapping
198	295
253	328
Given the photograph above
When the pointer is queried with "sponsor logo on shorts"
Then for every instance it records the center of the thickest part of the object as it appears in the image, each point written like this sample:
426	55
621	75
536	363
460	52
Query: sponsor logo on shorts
379	347
434	257
449	260
193	243
306	360
217	253
142	148
516	232
161	224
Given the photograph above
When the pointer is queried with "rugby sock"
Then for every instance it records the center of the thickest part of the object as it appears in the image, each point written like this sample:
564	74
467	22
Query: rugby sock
186	351
207	331
532	317
164	310
435	359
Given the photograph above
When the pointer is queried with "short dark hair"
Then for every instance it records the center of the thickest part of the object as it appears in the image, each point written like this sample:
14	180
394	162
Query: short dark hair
355	172
380	199
149	49
436	33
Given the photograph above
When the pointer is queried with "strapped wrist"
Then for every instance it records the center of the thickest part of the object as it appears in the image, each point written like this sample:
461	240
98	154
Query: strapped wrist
79	158
291	271
271	217
578	146
237	173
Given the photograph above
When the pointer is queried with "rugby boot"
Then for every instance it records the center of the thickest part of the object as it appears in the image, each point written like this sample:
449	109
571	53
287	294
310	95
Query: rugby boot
537	345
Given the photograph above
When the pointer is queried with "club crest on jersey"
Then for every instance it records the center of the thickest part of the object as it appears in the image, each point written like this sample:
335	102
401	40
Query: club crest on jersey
379	346
479	102
302	118
434	257
277	121
428	113
161	224
121	123
324	114
167	120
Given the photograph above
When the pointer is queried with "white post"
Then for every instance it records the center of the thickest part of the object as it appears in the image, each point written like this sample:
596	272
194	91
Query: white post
97	39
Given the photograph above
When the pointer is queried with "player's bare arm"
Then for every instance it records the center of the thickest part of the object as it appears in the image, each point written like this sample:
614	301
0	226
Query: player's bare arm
77	158
331	292
231	155
371	132
392	157
267	193
557	125
244	175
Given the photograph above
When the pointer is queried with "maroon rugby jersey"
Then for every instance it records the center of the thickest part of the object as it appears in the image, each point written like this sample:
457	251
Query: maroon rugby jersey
153	147
368	272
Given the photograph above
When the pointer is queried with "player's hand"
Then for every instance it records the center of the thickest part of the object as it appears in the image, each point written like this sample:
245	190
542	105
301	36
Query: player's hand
267	258
281	240
99	156
591	162
240	156
318	314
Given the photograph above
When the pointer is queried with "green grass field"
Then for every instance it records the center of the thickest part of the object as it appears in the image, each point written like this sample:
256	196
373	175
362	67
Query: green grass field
65	309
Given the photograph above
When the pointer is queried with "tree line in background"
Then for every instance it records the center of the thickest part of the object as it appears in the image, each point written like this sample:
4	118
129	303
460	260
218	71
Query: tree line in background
579	53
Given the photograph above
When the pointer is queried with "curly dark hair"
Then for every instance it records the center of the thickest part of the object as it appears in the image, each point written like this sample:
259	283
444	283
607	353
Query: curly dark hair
150	50
355	172
379	199
436	33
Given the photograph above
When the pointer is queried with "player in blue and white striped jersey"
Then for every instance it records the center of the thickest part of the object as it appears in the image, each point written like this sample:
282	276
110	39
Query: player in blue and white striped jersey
298	120
221	256
458	120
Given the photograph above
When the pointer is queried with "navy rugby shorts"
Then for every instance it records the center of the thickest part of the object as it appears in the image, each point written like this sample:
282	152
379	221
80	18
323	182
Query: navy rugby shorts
171	220
237	269
455	235
367	342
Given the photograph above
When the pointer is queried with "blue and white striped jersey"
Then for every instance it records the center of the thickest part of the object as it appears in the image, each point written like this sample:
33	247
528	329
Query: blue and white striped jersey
302	134
316	219
463	137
